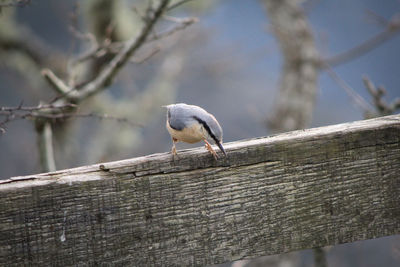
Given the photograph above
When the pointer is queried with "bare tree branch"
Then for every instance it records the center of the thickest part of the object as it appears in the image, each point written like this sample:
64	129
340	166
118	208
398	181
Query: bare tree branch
376	18
97	50
101	117
172	6
45	144
146	57
109	72
379	108
42	107
183	23
52	112
354	96
57	84
392	28
382	108
16	113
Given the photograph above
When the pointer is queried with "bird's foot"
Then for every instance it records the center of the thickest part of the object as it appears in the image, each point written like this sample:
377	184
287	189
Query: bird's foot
173	150
174	153
209	148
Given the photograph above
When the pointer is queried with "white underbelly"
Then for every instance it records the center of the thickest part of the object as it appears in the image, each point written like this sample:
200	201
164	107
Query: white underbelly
192	134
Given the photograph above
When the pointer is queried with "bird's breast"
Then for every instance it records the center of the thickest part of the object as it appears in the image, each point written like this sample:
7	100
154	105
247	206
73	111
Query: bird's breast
192	134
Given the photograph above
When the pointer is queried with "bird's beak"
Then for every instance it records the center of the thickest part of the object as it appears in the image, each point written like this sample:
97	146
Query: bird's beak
221	148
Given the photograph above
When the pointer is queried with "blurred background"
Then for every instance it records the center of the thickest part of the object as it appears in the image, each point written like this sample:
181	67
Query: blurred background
260	66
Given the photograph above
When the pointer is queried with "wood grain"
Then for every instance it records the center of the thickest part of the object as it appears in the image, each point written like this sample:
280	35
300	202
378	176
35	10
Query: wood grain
292	191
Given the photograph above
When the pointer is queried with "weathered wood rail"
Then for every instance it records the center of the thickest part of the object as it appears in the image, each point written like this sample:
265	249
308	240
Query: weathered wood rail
293	191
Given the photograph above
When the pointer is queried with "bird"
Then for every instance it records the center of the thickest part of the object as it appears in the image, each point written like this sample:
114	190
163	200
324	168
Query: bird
192	124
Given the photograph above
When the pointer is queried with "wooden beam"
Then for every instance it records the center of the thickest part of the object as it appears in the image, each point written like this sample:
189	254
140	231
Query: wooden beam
298	190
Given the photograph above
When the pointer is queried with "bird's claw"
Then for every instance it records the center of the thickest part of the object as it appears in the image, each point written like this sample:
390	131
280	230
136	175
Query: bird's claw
212	151
173	150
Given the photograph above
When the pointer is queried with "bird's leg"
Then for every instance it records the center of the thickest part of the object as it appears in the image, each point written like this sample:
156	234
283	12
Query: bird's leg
173	150
209	148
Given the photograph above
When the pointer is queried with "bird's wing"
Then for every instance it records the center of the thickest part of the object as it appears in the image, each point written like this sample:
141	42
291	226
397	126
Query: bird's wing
179	119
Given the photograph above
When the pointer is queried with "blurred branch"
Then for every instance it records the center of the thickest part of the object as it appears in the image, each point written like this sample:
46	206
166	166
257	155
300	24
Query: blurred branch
20	112
354	96
182	24
146	57
376	18
175	5
381	106
101	117
51	112
57	84
104	45
45	144
108	73
99	49
392	28
5	110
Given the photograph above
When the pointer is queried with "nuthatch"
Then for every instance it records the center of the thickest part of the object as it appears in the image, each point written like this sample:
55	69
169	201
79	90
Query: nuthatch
192	124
